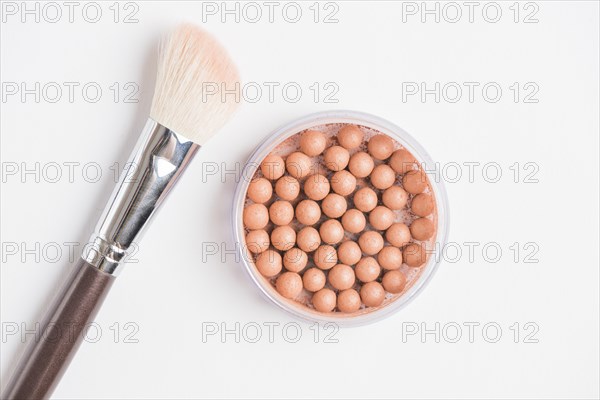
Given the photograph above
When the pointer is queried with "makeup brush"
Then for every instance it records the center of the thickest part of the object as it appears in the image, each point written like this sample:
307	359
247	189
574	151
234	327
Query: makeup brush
187	110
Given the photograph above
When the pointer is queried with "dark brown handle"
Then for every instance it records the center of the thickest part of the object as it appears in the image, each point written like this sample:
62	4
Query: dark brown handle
40	369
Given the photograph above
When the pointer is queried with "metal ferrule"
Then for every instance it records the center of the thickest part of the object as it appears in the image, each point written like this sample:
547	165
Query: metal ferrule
158	160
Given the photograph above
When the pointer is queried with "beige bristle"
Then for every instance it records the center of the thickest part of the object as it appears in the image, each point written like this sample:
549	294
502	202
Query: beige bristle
192	65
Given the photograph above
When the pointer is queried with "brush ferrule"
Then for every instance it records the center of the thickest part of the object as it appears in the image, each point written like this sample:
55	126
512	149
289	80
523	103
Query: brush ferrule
152	170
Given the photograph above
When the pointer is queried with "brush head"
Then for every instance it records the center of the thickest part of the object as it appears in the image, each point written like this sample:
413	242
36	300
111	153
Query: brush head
194	72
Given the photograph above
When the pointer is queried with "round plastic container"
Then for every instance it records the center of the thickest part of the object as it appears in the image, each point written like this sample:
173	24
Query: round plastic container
345	117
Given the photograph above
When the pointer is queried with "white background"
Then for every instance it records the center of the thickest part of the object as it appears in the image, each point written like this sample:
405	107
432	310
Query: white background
172	293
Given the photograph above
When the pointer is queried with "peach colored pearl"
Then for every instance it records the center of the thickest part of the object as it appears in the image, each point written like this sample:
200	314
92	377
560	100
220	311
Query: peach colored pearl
394	281
414	255
341	277
372	294
365	199
350	136
367	269
295	260
260	190
308	212
324	300
289	285
287	188
414	182
402	161
383	176
312	143
343	183
370	242
334	205
336	158
348	301
257	241
395	198
316	187
308	239
349	252
314	280
398	234
354	221
381	218
422	228
390	257
298	165
361	164
256	216
381	147
422	205
268	263
283	237
325	257
281	212
272	167
331	231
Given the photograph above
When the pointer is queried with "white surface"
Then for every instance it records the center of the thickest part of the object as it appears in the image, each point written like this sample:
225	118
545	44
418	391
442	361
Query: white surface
368	54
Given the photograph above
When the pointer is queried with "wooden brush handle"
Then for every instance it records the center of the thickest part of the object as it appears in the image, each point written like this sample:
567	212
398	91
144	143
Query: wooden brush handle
47	358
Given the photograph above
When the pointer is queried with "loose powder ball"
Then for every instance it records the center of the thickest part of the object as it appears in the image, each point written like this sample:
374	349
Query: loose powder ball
365	199
422	229
314	280
295	260
324	300
257	241
372	294
287	188
354	221
306	216
343	183
260	190
312	143
383	176
325	257
422	205
256	216
272	167
269	263
370	242
334	205
350	137
281	212
331	231
361	164
336	158
308	212
298	165
414	182
402	161
341	277
381	147
308	239
367	269
283	237
381	218
395	198
349	252
398	234
289	285
394	281
316	187
348	301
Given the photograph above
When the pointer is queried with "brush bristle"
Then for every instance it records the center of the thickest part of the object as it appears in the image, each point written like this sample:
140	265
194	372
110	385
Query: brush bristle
197	85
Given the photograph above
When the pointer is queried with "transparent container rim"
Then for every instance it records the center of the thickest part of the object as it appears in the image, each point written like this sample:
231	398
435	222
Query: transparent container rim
352	117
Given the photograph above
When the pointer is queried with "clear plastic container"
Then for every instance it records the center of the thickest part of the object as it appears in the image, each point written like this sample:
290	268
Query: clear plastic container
334	117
